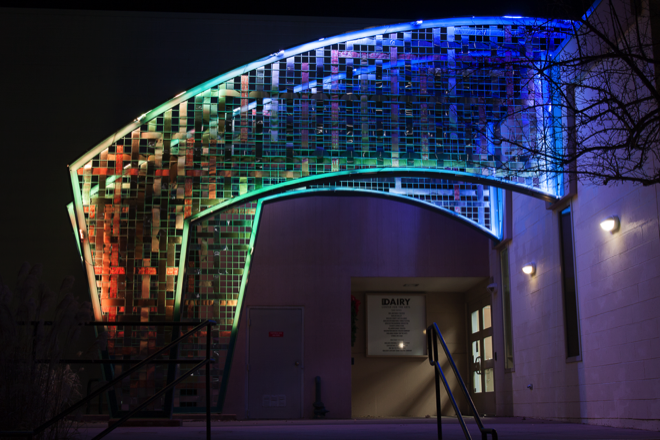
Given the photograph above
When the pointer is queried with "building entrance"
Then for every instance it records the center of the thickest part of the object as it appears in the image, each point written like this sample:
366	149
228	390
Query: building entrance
275	363
482	362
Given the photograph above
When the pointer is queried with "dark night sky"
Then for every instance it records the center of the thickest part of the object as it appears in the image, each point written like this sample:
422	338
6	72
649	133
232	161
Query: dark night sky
385	9
71	77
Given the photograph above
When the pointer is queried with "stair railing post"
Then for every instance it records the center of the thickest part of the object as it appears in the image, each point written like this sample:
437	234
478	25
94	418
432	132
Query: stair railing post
438	407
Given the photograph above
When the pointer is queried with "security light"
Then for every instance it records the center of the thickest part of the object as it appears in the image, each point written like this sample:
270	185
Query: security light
529	268
610	224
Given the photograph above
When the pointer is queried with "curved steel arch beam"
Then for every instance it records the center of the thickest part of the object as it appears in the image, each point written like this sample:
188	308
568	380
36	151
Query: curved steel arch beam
320	179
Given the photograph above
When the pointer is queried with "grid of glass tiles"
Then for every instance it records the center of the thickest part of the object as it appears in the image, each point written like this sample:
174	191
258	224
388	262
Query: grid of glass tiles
472	201
390	100
215	264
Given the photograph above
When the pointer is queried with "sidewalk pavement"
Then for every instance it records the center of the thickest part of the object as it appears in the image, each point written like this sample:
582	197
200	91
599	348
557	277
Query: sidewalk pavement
508	428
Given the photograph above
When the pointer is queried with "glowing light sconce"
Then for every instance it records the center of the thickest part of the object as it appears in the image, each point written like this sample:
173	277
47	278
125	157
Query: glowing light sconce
610	224
529	269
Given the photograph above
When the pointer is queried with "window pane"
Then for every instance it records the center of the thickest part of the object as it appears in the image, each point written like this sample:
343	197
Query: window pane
476	382
571	318
489	380
485	313
488	348
475	321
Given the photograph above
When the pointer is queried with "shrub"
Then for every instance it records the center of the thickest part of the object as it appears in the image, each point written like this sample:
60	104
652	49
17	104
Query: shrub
34	385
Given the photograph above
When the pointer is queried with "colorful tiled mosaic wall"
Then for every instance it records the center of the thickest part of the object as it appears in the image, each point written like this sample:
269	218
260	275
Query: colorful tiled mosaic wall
412	99
215	266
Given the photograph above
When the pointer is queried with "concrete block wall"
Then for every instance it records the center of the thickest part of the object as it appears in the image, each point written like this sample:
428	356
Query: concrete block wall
537	315
619	299
617	381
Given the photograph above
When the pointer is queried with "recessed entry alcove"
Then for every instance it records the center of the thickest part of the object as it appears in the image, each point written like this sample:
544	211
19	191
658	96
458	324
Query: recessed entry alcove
312	253
399	385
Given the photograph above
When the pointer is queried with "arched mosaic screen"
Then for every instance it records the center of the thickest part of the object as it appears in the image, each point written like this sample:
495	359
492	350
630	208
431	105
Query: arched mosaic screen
165	206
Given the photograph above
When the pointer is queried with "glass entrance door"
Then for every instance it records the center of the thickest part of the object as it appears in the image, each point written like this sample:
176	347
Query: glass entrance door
482	362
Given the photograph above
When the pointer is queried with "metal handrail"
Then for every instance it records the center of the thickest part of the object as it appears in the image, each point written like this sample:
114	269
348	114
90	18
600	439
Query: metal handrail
432	336
150	359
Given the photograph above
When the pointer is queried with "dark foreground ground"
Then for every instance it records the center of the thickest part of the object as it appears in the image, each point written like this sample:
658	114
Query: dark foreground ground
508	428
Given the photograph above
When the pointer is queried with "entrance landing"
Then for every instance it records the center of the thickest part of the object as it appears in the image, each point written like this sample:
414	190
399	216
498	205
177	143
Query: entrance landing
511	428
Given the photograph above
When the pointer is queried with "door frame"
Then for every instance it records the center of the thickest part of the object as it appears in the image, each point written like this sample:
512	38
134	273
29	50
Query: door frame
302	351
480	302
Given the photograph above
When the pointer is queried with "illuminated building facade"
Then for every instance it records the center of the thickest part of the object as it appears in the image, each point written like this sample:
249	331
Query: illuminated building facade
167	208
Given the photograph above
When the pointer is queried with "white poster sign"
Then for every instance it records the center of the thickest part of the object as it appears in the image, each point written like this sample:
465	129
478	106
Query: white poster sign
395	324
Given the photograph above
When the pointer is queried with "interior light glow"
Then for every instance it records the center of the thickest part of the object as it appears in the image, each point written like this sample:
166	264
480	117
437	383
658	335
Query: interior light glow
419	22
610	224
529	269
400	344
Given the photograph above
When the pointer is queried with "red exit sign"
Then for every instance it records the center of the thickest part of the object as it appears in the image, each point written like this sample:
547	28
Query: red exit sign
276	334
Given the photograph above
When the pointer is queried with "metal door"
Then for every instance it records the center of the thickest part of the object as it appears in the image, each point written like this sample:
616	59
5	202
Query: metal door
482	362
275	363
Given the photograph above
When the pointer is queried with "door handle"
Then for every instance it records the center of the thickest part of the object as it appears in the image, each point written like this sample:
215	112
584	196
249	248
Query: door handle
477	365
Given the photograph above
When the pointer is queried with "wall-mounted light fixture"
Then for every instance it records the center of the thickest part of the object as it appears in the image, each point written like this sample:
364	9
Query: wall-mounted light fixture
529	268
610	224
